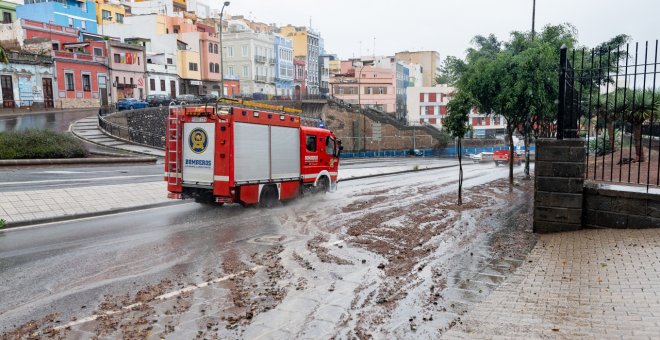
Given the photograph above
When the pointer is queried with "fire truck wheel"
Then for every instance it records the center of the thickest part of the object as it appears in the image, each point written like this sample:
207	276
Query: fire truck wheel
323	185
497	163
268	197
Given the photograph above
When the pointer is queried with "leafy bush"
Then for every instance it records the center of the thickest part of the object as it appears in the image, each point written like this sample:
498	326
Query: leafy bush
3	223
39	144
601	145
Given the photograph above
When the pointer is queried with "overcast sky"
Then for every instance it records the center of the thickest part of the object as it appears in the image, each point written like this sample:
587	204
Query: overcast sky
448	26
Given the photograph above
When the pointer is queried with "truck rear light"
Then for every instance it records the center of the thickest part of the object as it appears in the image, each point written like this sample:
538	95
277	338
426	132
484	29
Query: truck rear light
174	196
256	114
281	117
223	200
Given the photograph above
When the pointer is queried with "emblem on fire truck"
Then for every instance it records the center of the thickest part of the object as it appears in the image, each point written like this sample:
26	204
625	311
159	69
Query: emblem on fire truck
198	140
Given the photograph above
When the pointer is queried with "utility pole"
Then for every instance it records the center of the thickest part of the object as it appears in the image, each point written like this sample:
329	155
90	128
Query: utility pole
527	125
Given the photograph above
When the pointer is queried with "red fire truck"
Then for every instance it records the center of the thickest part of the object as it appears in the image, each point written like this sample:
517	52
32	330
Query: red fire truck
238	153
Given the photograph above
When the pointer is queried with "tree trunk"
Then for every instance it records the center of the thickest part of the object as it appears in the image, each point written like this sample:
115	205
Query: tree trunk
610	132
460	172
637	138
510	132
527	151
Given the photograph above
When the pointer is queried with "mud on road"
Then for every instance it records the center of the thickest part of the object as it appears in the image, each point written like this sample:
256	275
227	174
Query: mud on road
400	262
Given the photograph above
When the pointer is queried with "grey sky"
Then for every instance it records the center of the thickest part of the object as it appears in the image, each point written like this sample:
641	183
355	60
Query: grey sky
448	26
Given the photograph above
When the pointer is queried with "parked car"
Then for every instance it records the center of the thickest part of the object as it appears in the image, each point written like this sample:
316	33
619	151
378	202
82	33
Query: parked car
130	104
209	98
188	99
502	156
159	99
415	152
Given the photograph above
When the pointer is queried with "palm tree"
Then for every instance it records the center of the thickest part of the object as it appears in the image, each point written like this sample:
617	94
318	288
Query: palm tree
643	105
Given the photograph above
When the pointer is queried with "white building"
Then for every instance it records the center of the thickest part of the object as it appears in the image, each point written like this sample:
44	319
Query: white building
428	105
162	77
250	57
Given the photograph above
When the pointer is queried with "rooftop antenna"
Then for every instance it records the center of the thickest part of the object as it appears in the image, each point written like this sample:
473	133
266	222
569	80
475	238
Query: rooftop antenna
374	50
310	22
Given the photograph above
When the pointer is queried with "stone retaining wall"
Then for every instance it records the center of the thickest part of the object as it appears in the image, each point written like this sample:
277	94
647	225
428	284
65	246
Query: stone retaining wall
621	208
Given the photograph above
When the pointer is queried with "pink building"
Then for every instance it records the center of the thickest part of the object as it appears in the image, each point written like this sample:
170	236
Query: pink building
365	85
127	64
210	62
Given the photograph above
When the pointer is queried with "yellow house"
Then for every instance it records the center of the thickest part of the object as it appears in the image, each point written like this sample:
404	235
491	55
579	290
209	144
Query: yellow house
107	13
188	66
299	37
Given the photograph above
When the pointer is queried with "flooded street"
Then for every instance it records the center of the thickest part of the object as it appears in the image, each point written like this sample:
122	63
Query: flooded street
385	257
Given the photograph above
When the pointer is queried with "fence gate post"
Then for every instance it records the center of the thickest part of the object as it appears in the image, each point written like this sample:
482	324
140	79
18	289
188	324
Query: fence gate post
562	92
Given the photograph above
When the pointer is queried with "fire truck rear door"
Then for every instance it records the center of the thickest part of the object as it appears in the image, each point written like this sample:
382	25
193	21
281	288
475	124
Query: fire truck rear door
198	150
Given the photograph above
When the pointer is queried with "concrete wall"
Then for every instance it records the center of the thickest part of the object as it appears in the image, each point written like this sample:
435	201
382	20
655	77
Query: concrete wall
357	132
611	207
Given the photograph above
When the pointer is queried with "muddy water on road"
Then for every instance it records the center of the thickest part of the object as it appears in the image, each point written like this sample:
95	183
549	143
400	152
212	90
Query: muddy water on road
389	257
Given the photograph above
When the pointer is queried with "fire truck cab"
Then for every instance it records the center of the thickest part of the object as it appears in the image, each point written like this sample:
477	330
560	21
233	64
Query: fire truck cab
241	154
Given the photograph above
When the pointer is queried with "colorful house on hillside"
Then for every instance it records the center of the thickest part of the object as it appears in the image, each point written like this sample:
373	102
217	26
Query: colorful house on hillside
8	10
127	70
78	14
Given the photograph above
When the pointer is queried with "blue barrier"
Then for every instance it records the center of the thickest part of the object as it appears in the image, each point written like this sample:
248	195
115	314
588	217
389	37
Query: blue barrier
445	152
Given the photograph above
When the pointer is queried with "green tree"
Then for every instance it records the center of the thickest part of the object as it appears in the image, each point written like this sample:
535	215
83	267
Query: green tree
450	70
643	105
4	58
456	124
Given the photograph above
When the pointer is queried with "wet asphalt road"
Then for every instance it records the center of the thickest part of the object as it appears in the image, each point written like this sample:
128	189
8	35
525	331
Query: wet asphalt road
69	267
56	120
67	176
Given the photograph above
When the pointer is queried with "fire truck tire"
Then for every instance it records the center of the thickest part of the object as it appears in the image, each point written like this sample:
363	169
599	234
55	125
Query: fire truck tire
268	197
497	163
323	185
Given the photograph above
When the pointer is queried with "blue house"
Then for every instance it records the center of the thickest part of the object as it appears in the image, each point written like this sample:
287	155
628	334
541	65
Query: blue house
283	67
68	13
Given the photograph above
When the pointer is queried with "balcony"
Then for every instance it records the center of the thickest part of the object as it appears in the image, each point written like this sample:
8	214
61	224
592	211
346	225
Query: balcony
271	61
260	59
271	79
260	79
29	58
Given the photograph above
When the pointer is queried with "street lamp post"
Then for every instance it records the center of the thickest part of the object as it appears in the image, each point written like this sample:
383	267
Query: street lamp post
222	57
364	118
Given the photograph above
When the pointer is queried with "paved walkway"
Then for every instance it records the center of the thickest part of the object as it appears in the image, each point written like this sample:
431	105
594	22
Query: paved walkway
587	284
89	130
24	206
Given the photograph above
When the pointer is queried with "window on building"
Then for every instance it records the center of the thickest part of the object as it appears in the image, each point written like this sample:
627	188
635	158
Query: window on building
131	81
192	66
116	80
105	15
83	6
87	82
83	25
162	84
245	71
215	48
217	68
152	84
98	52
68	81
6	18
119	18
230	51
56	46
244	49
497	120
211	68
169	61
210	48
381	90
483	121
70	22
230	70
117	58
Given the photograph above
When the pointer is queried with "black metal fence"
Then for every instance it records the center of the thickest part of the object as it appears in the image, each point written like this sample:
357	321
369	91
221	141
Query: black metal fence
609	97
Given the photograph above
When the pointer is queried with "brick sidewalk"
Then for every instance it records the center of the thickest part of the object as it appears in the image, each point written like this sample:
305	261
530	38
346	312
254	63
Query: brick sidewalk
586	284
16	207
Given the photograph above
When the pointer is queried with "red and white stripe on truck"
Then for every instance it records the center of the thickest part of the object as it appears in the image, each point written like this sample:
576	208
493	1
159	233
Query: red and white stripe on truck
244	155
